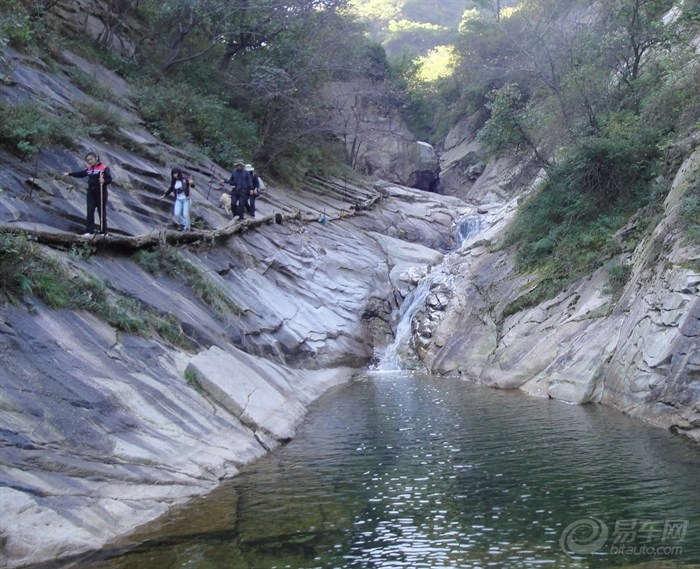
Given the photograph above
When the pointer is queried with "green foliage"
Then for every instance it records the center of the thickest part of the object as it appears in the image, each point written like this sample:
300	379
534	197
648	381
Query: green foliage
604	171
25	270
302	160
26	129
82	251
428	108
170	262
17	26
99	121
90	85
128	67
150	261
691	11
671	103
690	209
504	130
181	115
192	380
440	12
516	123
375	10
414	39
566	229
377	67
410	28
618	275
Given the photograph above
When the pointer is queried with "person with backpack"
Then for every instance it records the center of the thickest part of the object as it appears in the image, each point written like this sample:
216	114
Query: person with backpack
254	192
99	177
242	184
180	184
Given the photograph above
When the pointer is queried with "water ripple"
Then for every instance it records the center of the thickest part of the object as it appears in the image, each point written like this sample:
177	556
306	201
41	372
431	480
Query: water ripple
403	471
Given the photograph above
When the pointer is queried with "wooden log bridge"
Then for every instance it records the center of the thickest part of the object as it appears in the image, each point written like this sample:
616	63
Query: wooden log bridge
58	238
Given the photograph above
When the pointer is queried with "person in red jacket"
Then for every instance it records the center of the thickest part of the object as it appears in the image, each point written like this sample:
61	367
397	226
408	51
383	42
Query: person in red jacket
99	177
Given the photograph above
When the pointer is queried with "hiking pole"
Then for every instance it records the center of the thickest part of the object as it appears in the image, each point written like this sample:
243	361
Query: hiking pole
102	202
211	179
34	173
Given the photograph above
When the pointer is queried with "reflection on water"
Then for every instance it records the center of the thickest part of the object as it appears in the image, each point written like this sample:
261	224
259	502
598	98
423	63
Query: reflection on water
401	471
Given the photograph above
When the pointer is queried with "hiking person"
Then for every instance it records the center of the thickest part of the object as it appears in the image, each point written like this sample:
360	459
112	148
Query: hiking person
240	192
180	185
254	192
99	177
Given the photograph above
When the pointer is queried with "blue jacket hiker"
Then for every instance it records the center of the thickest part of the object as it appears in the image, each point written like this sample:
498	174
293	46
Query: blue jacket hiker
180	185
99	177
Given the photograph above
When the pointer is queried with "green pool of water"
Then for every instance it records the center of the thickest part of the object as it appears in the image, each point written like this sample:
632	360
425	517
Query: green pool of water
409	471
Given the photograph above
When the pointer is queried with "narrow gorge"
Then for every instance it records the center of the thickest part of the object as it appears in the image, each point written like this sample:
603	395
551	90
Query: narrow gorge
186	357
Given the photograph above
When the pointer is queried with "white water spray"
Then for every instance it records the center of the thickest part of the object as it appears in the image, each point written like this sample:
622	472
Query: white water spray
395	353
411	305
468	227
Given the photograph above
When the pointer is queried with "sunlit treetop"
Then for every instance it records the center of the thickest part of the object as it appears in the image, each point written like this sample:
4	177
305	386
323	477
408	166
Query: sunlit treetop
376	9
406	25
439	63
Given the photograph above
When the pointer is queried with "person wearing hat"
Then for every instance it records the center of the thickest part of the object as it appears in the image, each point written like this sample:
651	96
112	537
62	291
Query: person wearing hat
242	184
254	192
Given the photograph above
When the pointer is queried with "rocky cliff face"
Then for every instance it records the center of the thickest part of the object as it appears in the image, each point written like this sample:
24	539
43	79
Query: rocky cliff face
102	430
637	352
377	142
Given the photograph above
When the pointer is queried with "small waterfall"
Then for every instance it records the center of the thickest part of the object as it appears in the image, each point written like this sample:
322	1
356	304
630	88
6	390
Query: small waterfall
391	361
467	227
395	354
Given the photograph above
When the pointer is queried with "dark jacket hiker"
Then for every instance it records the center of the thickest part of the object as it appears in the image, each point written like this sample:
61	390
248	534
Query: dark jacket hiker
242	185
255	192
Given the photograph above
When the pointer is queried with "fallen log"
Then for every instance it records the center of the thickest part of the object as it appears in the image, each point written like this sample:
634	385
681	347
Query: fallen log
58	238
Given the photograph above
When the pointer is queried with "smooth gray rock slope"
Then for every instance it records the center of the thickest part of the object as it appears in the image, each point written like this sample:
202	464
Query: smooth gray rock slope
101	430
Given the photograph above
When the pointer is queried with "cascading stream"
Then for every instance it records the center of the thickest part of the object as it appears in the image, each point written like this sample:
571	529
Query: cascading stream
394	354
411	305
467	227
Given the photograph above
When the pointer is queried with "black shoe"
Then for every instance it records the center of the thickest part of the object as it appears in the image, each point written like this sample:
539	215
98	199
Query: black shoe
241	218
181	228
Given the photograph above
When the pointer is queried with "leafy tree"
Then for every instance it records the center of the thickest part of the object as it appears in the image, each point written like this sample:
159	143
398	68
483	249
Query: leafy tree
564	54
376	14
283	80
414	39
632	28
444	13
194	28
510	125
